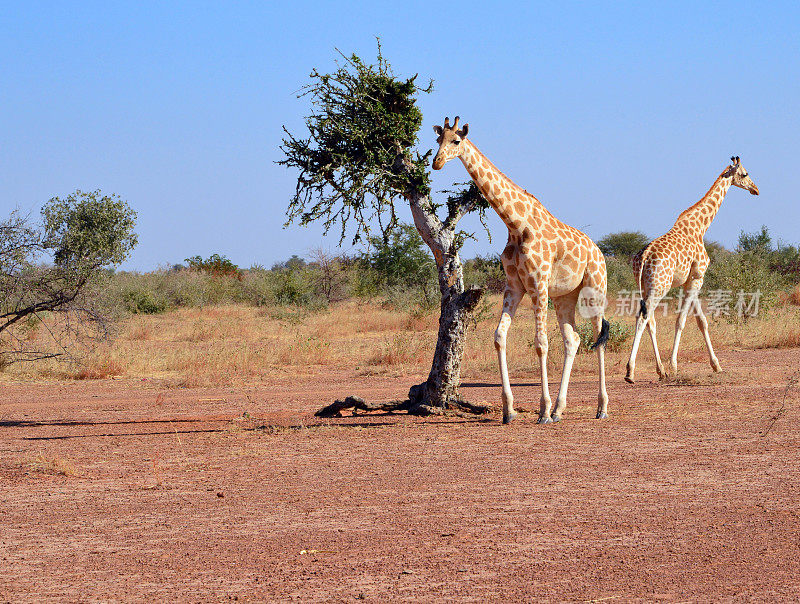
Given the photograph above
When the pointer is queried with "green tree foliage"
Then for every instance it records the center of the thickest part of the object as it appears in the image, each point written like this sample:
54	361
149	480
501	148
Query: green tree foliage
48	269
782	259
294	263
363	118
623	244
487	272
87	231
757	243
215	265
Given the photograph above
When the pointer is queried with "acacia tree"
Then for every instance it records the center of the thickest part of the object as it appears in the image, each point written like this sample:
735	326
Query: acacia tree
49	269
356	163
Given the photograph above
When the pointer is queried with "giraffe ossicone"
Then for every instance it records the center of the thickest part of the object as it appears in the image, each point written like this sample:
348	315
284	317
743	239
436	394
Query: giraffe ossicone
543	258
679	259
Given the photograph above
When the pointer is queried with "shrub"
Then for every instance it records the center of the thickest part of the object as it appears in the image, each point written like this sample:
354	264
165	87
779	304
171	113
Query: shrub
143	302
746	272
292	287
618	335
620	276
402	261
485	271
215	265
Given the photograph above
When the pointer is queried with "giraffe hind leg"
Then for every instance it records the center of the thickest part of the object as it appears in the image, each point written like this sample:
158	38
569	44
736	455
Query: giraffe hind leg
651	328
600	325
565	312
653	297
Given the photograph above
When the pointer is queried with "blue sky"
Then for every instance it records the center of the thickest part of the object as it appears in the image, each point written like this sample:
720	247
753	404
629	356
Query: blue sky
616	116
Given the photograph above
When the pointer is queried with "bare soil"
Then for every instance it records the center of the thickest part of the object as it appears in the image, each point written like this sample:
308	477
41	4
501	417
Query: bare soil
121	490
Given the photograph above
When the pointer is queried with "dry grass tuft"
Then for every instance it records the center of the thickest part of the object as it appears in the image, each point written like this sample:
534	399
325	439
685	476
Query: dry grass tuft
781	339
402	349
708	379
98	368
140	330
56	466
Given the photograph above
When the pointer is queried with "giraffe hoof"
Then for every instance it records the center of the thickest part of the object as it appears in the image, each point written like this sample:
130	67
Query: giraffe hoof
507	419
555	418
602	415
629	379
544	420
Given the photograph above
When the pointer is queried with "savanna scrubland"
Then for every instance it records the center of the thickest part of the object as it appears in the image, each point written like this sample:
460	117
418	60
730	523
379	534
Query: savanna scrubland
180	458
207	322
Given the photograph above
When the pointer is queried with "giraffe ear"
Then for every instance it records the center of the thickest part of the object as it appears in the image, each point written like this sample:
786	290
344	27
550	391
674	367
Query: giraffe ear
463	132
438	130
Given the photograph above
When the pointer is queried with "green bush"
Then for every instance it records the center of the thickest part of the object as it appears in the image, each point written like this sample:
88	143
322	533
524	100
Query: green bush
486	272
363	281
292	287
143	302
215	265
403	262
620	275
618	335
746	272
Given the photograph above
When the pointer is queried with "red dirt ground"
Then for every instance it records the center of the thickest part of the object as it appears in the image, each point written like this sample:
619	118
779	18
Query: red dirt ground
123	490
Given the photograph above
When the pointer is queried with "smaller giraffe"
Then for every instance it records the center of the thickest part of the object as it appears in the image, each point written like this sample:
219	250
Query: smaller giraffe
679	259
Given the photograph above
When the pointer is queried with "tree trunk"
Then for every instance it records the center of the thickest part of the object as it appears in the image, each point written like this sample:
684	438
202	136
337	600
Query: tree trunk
441	388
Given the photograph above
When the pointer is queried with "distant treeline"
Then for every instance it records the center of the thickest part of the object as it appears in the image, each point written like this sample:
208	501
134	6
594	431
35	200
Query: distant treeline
401	272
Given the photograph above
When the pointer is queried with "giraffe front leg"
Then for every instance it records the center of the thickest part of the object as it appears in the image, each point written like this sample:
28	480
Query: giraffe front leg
511	299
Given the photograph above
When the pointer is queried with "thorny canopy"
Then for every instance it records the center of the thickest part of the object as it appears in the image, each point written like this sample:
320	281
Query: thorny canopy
363	119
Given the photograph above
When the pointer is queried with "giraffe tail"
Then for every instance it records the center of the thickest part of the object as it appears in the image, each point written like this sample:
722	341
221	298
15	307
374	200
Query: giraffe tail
642	304
603	337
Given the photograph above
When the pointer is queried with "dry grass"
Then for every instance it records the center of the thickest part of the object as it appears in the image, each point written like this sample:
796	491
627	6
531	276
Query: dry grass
232	345
57	466
793	297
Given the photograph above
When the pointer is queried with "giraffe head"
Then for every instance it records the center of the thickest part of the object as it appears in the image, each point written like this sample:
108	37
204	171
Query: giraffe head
449	142
740	177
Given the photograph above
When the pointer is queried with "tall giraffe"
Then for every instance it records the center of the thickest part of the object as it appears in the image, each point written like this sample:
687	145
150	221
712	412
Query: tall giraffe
544	257
679	258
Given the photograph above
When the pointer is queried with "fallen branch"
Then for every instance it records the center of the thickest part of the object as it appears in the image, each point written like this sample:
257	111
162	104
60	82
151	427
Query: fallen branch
412	405
356	402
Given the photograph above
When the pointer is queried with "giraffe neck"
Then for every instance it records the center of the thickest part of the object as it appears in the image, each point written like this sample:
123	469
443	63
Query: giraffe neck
509	200
700	215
